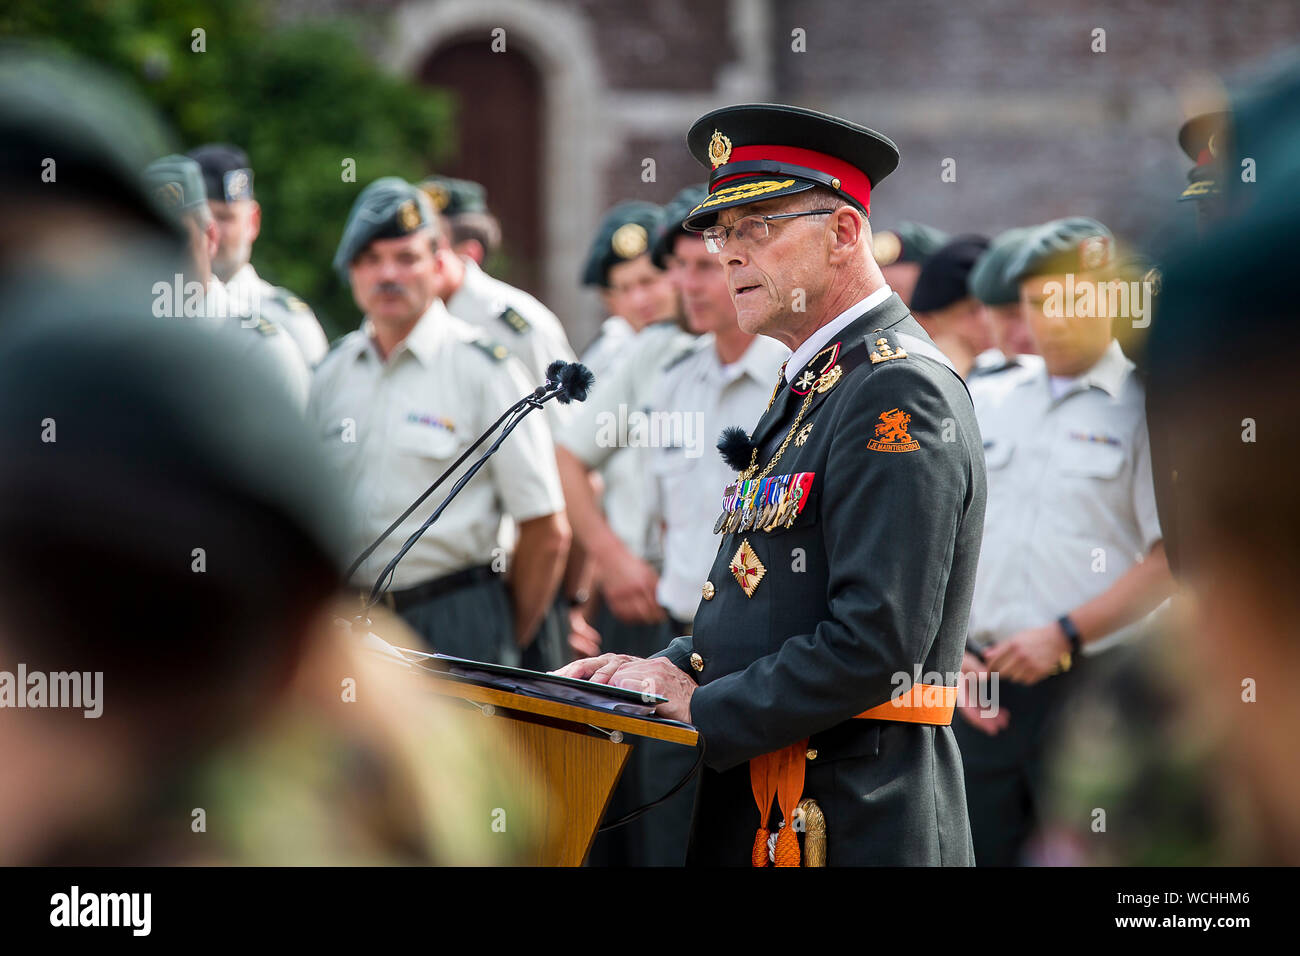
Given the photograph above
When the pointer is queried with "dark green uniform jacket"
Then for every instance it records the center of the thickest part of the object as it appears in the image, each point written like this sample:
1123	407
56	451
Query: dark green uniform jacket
873	580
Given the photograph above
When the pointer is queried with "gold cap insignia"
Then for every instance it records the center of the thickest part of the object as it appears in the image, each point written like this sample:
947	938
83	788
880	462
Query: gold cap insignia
719	149
886	247
629	240
408	215
1212	144
1093	252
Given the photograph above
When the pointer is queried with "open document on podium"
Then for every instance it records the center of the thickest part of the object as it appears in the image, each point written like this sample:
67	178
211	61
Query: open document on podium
619	700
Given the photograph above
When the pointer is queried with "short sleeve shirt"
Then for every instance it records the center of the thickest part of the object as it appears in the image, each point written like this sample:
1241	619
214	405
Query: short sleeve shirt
1071	503
391	427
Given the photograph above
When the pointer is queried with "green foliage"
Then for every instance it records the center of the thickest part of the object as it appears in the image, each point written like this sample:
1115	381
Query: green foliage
300	98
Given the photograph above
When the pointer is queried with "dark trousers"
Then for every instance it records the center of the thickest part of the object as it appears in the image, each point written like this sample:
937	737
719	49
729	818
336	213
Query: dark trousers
1005	773
475	622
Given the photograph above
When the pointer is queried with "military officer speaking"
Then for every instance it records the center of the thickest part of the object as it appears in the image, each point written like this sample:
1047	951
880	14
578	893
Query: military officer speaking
822	669
396	402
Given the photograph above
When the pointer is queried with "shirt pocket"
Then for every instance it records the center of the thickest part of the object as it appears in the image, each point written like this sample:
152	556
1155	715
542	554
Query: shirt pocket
1090	460
425	441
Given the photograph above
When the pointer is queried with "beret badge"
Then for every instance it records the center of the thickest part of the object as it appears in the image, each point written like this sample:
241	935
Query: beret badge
408	216
629	240
886	247
1094	252
169	195
438	195
719	149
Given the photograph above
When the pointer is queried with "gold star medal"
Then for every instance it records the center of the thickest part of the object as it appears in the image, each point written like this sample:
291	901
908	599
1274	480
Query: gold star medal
747	569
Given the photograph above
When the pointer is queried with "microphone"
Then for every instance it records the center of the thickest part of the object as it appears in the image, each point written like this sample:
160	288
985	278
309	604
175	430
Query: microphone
566	381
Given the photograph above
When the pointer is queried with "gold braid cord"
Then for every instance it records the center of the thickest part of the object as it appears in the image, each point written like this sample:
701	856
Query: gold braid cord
814	832
748	473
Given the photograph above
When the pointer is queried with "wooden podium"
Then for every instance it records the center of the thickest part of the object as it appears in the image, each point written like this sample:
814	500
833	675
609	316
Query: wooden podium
578	751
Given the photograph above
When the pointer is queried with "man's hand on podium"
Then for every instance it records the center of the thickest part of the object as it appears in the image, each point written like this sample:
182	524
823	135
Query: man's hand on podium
654	676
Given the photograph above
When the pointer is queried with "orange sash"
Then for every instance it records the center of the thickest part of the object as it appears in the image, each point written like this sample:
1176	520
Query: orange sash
781	772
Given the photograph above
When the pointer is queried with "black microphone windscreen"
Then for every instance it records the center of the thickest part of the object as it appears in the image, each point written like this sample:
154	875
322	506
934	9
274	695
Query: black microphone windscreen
576	381
554	369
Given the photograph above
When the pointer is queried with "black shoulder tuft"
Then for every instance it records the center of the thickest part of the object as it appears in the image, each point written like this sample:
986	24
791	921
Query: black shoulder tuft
736	448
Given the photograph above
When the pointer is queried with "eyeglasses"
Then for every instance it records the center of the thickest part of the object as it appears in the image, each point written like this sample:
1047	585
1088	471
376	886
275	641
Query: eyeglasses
750	228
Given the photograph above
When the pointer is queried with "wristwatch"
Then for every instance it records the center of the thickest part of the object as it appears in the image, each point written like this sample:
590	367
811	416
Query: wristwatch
1066	624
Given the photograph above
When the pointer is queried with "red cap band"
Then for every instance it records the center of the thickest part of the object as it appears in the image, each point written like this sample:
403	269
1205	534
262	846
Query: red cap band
852	180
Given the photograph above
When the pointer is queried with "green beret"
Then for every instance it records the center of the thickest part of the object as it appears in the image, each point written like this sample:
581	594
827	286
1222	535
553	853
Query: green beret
176	184
907	242
1074	244
986	280
451	197
97	132
388	208
624	234
670	225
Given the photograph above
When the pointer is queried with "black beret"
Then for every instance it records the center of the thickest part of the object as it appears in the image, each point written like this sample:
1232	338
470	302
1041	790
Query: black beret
624	234
226	171
945	274
670	226
761	151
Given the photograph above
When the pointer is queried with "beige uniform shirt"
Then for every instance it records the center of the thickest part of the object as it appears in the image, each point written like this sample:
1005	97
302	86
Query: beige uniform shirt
603	433
700	397
1071	504
295	317
392	427
518	321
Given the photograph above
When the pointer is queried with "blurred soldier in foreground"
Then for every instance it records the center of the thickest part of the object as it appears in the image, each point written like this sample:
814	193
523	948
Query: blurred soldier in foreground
75	140
1071	555
396	402
228	179
949	313
899	252
185	707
